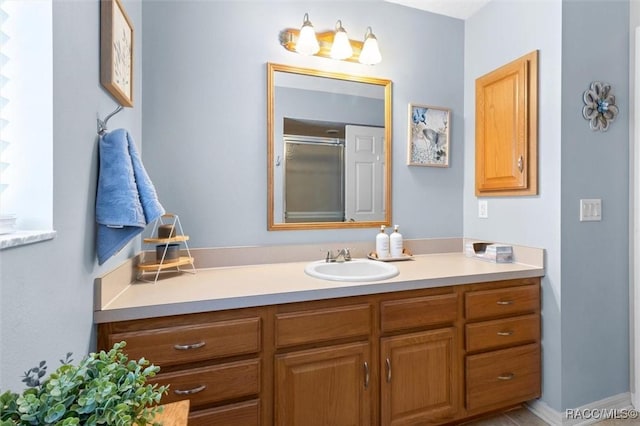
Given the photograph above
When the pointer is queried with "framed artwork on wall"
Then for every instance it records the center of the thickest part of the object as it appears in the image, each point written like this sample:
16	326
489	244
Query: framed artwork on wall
428	136
116	51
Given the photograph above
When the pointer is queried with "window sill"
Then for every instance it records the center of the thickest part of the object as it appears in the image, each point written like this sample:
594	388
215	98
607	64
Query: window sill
21	238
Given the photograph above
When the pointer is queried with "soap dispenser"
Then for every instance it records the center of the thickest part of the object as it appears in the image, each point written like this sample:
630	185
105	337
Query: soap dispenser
396	243
382	244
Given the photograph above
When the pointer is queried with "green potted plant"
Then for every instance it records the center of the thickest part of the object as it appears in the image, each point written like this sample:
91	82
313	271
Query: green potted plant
105	388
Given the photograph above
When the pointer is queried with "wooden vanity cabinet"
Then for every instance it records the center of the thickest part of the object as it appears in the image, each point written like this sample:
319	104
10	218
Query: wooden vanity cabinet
212	359
419	365
323	364
502	343
329	385
420	357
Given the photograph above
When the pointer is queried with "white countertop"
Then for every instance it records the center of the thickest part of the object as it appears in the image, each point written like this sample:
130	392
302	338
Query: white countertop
266	284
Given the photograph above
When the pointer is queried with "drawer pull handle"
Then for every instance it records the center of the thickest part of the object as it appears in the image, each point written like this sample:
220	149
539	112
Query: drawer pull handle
508	376
366	375
388	363
505	333
189	346
190	391
505	302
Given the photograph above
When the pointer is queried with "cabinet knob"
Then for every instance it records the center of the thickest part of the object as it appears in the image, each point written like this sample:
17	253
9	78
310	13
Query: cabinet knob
505	333
521	164
504	302
189	346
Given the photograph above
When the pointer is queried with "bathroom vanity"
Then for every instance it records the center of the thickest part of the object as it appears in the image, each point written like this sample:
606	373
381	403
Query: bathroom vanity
449	338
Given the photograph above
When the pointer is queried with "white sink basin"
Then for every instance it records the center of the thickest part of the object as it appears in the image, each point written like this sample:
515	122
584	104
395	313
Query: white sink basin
353	270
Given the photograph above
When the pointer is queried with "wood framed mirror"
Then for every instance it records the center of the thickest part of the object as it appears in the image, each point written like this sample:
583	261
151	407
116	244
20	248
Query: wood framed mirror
328	149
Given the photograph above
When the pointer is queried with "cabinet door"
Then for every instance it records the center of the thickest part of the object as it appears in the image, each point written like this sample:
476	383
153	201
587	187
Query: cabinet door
419	376
324	387
506	121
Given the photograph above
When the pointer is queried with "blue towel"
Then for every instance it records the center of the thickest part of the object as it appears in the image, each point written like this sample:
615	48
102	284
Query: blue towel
126	201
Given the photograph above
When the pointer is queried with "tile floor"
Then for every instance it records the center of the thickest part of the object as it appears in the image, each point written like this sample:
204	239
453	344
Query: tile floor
524	417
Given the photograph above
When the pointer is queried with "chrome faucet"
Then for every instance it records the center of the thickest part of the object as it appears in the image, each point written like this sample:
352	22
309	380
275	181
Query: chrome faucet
343	255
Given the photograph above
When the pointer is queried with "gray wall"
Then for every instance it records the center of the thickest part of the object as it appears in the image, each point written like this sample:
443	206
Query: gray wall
595	264
499	33
585	356
204	115
634	23
46	305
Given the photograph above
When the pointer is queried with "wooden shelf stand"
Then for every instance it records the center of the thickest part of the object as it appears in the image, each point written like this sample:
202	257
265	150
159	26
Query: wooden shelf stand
156	266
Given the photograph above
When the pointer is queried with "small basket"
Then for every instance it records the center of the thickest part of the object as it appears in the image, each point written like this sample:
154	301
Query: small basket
172	252
166	231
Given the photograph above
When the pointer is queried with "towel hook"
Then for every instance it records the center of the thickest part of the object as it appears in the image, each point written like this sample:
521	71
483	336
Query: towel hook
102	124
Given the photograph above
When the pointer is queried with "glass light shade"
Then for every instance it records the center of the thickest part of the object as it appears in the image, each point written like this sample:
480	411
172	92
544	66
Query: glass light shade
370	54
341	47
307	43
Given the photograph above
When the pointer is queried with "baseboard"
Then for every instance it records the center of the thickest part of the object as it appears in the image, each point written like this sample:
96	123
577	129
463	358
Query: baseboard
545	412
556	418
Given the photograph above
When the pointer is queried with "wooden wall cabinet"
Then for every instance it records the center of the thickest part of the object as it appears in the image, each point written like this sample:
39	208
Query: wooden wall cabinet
430	357
507	129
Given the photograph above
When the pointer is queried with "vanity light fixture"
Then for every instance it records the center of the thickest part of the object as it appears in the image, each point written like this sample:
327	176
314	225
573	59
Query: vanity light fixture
331	44
307	42
341	47
370	54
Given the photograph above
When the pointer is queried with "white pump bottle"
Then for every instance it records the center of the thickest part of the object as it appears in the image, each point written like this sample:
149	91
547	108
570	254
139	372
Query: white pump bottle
396	243
382	244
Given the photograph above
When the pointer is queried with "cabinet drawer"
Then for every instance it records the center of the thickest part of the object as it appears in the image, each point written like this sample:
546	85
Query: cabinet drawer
318	325
503	301
241	414
418	312
503	332
503	377
211	384
183	344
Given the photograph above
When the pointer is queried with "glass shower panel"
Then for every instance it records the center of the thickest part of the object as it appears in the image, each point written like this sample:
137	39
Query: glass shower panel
314	179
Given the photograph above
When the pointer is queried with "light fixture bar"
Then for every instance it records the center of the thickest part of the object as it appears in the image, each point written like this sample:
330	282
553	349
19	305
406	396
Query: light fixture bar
289	38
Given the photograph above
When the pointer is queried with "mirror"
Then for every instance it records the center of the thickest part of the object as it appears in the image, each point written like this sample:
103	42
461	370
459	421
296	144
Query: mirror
329	149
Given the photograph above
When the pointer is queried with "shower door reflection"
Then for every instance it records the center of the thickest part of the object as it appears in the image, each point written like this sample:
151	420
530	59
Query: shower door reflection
314	179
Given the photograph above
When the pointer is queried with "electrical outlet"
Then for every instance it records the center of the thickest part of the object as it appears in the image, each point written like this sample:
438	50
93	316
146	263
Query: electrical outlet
590	210
483	209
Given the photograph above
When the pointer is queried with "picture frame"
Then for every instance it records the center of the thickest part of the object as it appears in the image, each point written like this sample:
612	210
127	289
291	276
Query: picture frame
428	136
116	51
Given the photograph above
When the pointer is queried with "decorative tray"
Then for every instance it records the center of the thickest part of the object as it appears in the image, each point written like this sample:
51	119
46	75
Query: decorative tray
406	255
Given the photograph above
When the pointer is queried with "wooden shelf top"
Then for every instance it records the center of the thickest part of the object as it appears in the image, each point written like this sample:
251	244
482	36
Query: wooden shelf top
154	266
176	239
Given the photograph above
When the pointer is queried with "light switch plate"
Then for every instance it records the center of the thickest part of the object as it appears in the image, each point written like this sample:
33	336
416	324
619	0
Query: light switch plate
590	210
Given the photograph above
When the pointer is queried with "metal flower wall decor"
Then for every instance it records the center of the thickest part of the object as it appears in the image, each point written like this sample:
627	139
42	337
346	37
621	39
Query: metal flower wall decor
600	106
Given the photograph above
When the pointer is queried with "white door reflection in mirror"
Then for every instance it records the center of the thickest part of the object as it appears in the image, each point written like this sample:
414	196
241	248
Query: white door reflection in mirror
365	171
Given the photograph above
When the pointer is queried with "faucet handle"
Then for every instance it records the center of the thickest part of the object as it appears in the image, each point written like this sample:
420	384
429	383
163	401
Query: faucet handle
347	254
